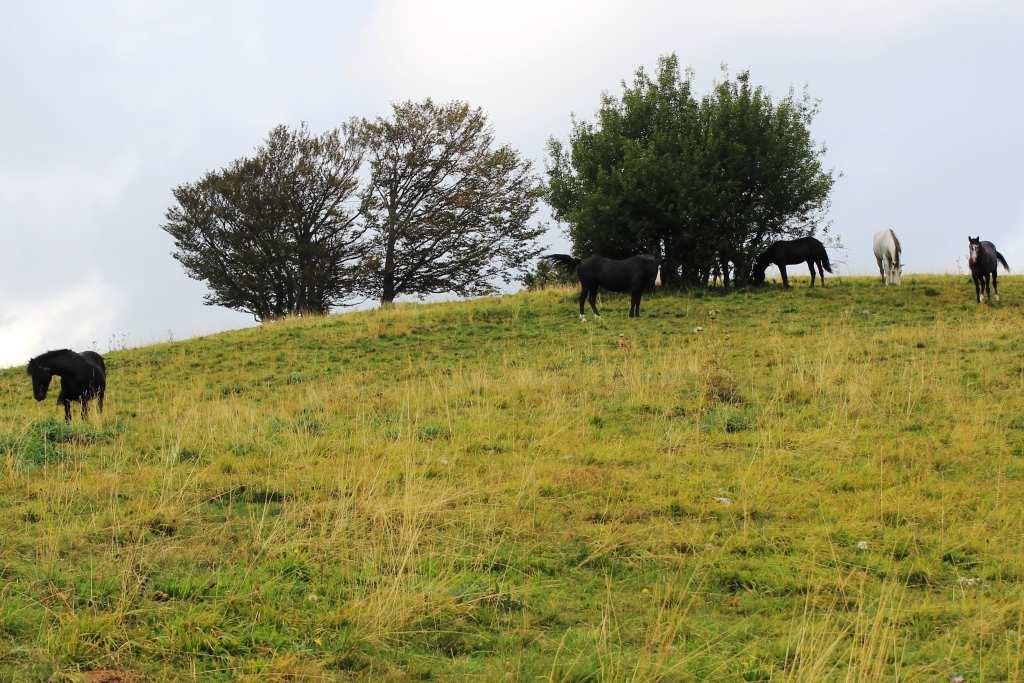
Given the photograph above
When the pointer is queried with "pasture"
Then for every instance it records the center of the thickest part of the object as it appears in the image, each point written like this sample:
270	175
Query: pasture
785	485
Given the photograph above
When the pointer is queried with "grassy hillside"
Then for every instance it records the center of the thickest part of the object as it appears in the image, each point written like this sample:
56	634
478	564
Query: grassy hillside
789	485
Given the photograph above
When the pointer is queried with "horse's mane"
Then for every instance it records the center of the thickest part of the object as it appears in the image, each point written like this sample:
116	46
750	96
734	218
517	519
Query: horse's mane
899	249
49	355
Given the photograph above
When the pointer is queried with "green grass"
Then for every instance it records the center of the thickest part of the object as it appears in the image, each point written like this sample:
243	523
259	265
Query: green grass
817	484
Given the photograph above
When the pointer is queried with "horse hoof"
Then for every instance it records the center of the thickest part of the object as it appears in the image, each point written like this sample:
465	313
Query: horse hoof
583	318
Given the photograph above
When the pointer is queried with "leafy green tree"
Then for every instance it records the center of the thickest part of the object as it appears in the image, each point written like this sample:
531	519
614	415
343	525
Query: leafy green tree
449	210
278	232
704	183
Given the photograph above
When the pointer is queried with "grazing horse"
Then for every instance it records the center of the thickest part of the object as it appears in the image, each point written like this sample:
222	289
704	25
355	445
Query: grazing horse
83	376
888	253
790	252
984	260
633	275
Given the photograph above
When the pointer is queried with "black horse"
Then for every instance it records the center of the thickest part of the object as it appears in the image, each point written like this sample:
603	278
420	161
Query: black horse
83	376
790	252
633	275
984	261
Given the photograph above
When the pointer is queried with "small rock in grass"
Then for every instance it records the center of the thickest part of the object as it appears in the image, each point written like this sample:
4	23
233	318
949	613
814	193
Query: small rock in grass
723	500
956	678
862	545
969	580
698	329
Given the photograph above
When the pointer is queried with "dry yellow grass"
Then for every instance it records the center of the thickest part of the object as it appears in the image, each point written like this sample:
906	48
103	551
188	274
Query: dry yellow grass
818	485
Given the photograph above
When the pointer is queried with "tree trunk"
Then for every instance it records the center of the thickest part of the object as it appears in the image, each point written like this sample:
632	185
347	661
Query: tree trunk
388	293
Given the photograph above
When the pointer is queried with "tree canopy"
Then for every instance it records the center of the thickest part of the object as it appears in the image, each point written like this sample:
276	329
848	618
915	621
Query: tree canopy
278	232
704	183
291	229
448	210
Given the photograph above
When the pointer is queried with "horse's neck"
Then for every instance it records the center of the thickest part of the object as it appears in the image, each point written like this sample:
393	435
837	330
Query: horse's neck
61	365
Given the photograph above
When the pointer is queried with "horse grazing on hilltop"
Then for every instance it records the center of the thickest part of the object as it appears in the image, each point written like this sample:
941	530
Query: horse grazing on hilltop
83	376
984	261
888	254
790	252
634	275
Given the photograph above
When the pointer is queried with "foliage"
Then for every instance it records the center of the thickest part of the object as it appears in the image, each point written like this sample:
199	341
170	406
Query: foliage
274	234
464	490
705	183
547	274
448	210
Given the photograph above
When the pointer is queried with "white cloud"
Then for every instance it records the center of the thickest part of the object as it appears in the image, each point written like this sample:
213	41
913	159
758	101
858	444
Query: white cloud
76	317
62	199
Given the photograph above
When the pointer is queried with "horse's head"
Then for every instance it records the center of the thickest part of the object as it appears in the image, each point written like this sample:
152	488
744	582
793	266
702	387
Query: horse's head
973	246
41	377
757	271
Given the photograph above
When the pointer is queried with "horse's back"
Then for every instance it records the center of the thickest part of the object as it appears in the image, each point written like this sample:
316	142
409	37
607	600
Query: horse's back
619	275
885	243
791	252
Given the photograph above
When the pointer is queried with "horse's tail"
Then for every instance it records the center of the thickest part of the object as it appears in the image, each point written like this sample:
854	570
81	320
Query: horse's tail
899	249
564	260
824	260
1003	261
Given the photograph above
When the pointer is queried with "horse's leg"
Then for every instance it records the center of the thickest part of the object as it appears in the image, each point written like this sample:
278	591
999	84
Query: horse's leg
821	273
995	284
583	298
810	265
977	288
634	305
988	289
785	280
593	302
881	270
67	410
85	408
99	400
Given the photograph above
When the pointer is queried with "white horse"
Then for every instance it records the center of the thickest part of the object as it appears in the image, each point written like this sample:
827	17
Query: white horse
887	254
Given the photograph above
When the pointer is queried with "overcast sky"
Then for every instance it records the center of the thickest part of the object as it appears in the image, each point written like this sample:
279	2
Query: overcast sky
107	105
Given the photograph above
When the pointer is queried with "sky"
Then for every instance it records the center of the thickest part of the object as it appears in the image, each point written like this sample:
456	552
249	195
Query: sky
108	105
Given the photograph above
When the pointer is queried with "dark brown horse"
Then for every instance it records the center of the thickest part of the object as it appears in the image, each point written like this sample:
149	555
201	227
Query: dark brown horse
984	261
83	376
790	252
634	275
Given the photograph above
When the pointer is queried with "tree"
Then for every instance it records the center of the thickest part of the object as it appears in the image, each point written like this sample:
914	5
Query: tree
449	211
278	232
703	183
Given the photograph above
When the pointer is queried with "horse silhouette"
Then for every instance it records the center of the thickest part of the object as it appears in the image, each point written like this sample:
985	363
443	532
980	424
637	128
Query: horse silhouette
984	261
83	376
634	275
790	252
